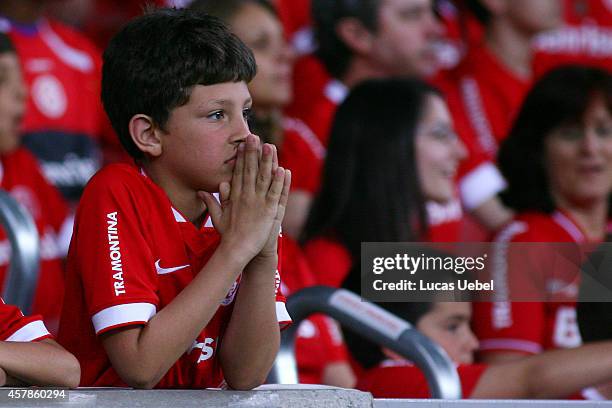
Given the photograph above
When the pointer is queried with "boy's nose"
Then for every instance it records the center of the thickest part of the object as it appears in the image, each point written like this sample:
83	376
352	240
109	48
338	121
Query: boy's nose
240	131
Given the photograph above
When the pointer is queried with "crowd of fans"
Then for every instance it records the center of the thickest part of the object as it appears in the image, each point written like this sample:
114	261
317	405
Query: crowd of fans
392	120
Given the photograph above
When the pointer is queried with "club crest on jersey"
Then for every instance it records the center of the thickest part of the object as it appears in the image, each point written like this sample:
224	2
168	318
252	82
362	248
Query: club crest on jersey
229	298
49	96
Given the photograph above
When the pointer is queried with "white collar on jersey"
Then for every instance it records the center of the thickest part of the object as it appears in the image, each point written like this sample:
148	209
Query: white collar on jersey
178	217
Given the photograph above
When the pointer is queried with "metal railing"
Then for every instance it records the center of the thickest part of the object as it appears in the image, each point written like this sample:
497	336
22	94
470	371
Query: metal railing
20	282
373	323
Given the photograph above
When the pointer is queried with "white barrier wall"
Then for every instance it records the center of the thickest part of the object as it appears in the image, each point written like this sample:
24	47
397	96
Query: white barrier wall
269	396
412	403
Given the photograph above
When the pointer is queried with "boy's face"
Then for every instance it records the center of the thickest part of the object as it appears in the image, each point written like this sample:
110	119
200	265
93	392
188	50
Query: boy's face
12	101
201	138
448	324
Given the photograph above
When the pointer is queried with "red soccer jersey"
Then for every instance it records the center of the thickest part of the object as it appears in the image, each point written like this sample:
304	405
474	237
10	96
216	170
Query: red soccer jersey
584	39
531	327
316	96
400	379
14	326
302	153
21	177
319	343
116	14
445	221
329	261
318	340
296	19
132	253
483	97
64	115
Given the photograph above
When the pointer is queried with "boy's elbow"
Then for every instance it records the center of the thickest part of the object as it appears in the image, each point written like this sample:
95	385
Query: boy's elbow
141	384
244	384
71	372
140	377
140	381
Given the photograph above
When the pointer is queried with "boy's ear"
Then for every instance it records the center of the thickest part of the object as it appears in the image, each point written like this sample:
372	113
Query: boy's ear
355	35
145	135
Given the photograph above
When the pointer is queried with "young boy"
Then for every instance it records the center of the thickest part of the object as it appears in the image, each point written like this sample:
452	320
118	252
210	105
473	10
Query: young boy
28	354
155	296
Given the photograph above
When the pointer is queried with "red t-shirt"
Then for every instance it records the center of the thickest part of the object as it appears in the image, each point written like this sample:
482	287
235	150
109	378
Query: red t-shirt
14	326
445	221
400	379
302	153
531	327
318	339
132	253
317	96
329	261
585	37
116	14
21	177
64	117
296	19
483	97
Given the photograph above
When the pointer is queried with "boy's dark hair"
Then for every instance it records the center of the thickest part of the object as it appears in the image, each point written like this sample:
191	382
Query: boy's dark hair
559	98
6	45
370	190
226	10
151	65
326	14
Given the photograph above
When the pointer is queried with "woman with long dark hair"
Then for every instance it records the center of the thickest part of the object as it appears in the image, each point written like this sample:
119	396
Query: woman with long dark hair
392	148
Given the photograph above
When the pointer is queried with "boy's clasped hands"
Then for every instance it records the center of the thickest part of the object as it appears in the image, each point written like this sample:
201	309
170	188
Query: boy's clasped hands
253	203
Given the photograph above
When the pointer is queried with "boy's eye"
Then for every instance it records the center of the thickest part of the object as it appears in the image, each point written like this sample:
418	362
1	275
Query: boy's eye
217	115
247	113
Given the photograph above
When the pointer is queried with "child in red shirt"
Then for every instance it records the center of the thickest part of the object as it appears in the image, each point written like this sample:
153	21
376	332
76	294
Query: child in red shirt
166	286
29	355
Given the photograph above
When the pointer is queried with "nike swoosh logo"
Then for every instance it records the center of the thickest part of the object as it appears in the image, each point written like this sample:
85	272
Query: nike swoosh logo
163	271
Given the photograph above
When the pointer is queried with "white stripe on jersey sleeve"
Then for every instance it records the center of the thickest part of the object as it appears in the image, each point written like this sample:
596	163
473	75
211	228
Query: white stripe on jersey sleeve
281	313
480	184
31	331
122	314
